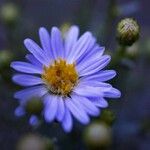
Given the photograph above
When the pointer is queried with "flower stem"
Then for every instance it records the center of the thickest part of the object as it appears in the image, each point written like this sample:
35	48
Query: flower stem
117	57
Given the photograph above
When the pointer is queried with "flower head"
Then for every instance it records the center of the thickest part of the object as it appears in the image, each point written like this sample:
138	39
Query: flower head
127	31
67	74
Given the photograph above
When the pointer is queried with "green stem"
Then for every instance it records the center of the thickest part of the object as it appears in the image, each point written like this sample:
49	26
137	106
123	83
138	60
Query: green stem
117	57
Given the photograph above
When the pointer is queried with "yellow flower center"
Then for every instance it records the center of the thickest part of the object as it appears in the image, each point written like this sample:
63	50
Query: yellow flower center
60	77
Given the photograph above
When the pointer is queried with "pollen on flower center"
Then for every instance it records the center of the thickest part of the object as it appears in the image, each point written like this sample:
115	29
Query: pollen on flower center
60	77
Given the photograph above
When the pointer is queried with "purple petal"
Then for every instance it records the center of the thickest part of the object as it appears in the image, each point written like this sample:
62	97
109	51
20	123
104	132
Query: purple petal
94	83
19	111
112	93
95	51
51	107
33	120
94	66
77	111
27	80
88	91
28	93
71	39
89	48
88	106
34	61
46	42
36	51
26	67
61	109
80	47
67	121
57	43
101	76
99	102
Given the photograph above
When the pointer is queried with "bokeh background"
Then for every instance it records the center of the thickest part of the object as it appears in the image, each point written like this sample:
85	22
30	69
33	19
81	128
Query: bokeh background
125	124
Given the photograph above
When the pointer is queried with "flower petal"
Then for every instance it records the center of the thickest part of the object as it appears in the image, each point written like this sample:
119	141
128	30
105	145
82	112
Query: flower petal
71	38
36	51
80	47
112	93
88	91
99	102
33	120
77	111
93	52
95	83
88	106
19	111
26	67
28	93
101	76
27	80
46	42
50	107
94	66
34	61
89	48
57	43
67	121
61	109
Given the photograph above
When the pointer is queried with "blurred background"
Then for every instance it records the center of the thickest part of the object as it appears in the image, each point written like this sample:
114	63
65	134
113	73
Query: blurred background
125	124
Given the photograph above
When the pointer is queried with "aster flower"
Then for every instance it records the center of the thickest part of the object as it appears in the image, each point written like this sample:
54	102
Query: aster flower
67	73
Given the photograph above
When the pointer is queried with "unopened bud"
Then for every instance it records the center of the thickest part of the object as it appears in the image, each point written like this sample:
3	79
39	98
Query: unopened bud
64	28
107	117
97	135
127	31
5	58
34	142
34	106
9	13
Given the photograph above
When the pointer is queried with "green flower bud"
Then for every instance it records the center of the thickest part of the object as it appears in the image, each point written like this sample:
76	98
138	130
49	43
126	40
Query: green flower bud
49	144
34	142
9	13
5	58
34	106
97	135
127	31
64	28
107	117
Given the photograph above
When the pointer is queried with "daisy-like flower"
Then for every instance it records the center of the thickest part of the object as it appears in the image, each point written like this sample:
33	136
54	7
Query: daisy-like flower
67	74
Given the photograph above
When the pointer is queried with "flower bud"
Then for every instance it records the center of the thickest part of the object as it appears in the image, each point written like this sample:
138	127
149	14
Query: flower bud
34	106
107	117
64	28
49	143
5	58
34	142
97	135
9	13
127	31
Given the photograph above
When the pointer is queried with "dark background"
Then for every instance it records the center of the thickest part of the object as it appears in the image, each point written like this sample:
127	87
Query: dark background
131	128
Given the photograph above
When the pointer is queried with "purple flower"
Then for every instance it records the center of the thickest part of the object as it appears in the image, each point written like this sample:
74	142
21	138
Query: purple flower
67	74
